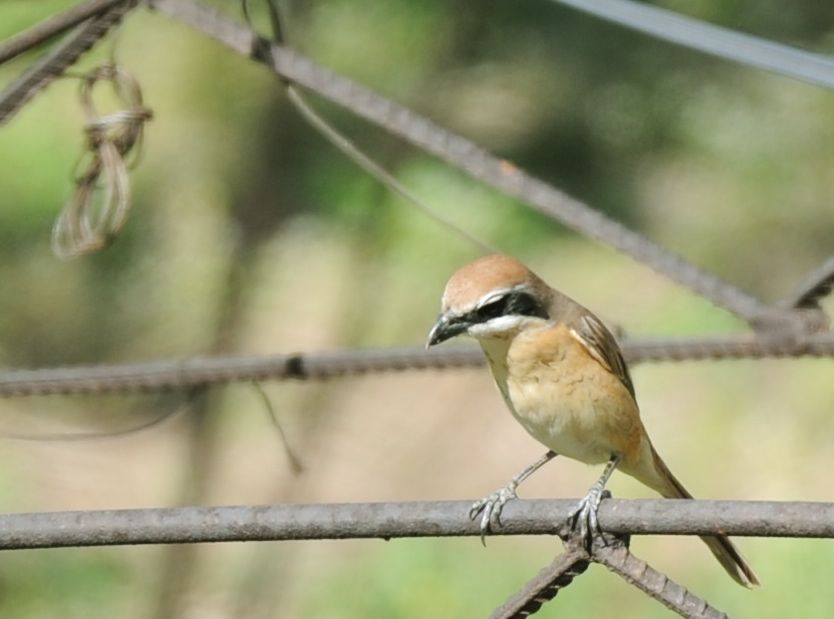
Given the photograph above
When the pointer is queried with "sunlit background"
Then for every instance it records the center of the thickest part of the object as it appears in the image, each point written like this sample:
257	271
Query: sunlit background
249	234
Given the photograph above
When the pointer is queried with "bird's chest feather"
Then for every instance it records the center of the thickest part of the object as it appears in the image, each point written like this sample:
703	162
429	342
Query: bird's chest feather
559	394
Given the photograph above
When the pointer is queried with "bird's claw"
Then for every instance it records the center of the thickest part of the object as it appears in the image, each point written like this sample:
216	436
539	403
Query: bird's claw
490	507
584	517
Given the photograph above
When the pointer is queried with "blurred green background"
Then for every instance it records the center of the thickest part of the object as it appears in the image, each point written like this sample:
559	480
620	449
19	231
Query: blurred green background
250	234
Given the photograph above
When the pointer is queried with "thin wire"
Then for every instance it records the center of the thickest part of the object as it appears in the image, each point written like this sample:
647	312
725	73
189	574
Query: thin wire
379	173
714	40
87	225
64	437
295	462
349	149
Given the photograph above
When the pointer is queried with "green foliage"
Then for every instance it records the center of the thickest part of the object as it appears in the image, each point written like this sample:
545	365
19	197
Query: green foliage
79	584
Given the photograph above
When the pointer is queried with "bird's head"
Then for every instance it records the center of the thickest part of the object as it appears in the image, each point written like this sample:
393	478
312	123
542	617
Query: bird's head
493	297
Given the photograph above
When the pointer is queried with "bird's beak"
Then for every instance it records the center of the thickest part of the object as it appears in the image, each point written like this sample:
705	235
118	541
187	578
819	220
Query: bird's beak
447	327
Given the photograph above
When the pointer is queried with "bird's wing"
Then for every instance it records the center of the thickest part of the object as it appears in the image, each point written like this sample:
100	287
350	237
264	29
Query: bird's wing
602	346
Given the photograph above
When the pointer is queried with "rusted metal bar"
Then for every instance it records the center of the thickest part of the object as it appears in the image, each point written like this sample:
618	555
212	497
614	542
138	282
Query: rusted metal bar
60	57
618	558
470	158
52	26
195	372
816	285
411	519
544	587
711	39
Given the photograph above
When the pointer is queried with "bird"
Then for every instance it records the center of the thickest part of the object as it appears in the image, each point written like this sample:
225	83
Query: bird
563	377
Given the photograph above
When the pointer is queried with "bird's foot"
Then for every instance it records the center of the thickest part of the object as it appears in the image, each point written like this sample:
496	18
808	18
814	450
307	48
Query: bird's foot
490	507
584	517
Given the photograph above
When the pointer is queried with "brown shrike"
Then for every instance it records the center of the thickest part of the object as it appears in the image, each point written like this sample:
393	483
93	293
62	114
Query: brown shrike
563	377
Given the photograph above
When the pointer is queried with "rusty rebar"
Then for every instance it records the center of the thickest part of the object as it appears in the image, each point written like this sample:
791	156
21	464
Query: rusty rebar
410	519
61	56
611	551
544	587
52	26
813	288
202	371
470	158
618	558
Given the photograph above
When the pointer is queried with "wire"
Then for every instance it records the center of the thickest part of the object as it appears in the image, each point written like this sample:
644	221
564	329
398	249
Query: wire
188	525
87	225
714	40
479	164
52	26
198	372
60	57
349	149
64	437
295	462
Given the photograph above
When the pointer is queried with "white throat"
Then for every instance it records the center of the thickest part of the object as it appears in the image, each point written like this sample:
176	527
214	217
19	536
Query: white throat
496	349
502	327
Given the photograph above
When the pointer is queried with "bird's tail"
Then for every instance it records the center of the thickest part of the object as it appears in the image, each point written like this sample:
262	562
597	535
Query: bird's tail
720	545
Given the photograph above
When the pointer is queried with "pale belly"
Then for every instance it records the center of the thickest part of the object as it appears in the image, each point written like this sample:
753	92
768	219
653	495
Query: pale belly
575	412
567	425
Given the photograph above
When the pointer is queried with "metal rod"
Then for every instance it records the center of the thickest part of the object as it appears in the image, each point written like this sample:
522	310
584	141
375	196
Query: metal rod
58	59
185	373
814	287
545	586
470	158
721	42
51	27
657	585
390	520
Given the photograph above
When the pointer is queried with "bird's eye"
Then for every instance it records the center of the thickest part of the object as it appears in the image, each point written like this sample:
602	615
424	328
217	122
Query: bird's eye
493	309
525	305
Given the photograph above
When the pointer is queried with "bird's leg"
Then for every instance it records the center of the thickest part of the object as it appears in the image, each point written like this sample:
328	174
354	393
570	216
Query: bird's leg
490	507
585	513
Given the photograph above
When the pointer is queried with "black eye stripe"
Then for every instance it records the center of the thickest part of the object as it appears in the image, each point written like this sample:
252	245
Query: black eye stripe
516	303
493	309
526	305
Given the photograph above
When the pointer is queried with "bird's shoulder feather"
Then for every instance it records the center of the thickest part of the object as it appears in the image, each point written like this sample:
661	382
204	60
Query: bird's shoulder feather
601	344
